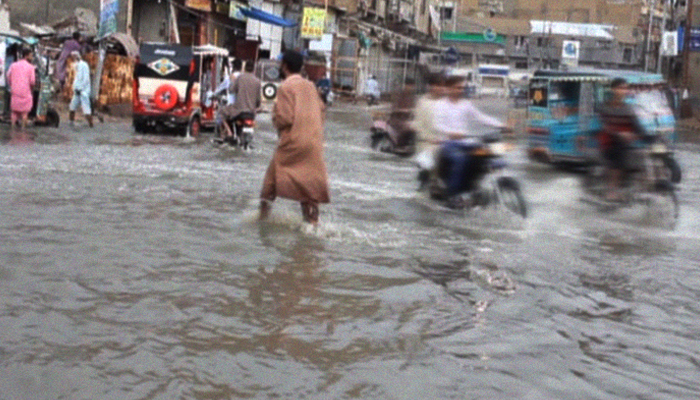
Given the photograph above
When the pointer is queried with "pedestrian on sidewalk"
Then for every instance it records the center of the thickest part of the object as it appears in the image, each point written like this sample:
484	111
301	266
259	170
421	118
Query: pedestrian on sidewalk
297	170
21	78
81	89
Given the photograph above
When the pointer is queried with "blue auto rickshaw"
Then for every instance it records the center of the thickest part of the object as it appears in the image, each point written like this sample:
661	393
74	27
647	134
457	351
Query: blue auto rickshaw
563	109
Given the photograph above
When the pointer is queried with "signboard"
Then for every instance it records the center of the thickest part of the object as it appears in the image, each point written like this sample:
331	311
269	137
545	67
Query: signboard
202	5
693	43
313	23
669	44
108	17
570	49
538	93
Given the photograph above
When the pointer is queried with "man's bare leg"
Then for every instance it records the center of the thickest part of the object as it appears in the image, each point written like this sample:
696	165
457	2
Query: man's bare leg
25	116
309	211
13	121
265	207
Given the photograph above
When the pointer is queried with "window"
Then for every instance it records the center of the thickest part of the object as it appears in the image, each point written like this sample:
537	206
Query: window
540	42
521	65
627	55
603	44
519	41
446	13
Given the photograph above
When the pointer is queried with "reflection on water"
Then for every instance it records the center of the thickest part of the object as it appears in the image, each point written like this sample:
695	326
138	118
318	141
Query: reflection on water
133	267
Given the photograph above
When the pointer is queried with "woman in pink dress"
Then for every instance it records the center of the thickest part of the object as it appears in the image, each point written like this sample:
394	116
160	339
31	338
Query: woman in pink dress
21	79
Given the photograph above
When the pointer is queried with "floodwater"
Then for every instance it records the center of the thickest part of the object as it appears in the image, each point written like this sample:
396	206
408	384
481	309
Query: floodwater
133	267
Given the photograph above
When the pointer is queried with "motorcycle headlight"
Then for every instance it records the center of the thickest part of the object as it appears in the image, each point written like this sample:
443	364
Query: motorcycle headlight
659	148
499	148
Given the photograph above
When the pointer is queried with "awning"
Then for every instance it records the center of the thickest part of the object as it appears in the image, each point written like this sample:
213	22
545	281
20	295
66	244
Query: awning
260	15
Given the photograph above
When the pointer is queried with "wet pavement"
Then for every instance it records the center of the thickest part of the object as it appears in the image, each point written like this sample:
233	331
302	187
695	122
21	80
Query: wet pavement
133	267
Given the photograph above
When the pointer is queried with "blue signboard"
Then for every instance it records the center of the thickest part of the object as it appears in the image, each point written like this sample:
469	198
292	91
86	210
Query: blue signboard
108	17
693	43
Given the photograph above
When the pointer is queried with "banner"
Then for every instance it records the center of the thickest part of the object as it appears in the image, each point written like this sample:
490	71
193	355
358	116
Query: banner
313	23
234	10
202	5
108	17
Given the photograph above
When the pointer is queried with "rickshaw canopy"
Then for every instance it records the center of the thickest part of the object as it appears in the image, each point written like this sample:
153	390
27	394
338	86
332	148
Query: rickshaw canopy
588	75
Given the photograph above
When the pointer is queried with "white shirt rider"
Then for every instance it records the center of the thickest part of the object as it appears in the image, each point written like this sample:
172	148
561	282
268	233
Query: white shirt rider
458	118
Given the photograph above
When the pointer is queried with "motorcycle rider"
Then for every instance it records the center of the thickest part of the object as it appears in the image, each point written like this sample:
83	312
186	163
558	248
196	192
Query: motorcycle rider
401	114
246	89
620	129
455	119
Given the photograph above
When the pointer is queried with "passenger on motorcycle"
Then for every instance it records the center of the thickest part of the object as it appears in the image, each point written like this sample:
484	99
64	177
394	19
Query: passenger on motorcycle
246	89
423	122
455	120
401	113
620	129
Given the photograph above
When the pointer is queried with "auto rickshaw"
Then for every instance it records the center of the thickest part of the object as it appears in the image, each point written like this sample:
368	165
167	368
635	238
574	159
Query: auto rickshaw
563	111
42	113
172	84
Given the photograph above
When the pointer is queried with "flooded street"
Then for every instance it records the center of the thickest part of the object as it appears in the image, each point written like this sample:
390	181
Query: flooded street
133	267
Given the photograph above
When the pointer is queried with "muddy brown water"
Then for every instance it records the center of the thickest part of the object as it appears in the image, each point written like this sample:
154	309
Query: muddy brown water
132	267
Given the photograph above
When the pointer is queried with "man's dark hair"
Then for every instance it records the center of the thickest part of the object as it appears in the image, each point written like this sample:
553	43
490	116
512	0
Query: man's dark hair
76	35
25	51
237	64
249	66
618	82
294	60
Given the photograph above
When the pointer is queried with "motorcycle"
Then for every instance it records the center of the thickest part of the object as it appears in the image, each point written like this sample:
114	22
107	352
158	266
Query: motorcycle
393	136
242	126
650	175
485	183
324	90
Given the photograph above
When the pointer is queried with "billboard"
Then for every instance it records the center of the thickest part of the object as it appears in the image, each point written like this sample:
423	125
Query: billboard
202	5
108	17
313	23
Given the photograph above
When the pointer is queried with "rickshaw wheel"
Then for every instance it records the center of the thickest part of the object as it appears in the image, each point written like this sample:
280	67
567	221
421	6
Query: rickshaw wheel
194	127
52	118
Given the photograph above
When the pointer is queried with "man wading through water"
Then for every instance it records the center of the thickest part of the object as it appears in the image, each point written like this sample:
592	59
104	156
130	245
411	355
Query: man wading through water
297	170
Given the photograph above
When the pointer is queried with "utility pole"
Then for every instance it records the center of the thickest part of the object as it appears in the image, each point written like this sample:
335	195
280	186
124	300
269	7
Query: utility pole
650	8
686	41
662	29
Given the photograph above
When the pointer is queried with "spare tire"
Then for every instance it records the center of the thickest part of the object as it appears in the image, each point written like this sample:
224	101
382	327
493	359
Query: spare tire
165	97
269	91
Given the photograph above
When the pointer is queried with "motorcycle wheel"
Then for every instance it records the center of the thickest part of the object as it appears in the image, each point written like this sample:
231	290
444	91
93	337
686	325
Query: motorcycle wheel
674	169
383	144
510	195
593	180
666	191
52	118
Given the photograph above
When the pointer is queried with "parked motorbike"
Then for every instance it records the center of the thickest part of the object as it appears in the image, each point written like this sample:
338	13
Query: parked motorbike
392	135
324	90
486	182
649	180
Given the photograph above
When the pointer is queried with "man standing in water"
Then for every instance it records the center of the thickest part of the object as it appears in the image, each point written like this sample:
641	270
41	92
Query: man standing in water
81	89
21	79
297	170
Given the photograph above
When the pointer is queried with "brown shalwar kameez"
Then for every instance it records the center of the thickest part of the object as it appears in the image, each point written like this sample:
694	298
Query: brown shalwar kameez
297	170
